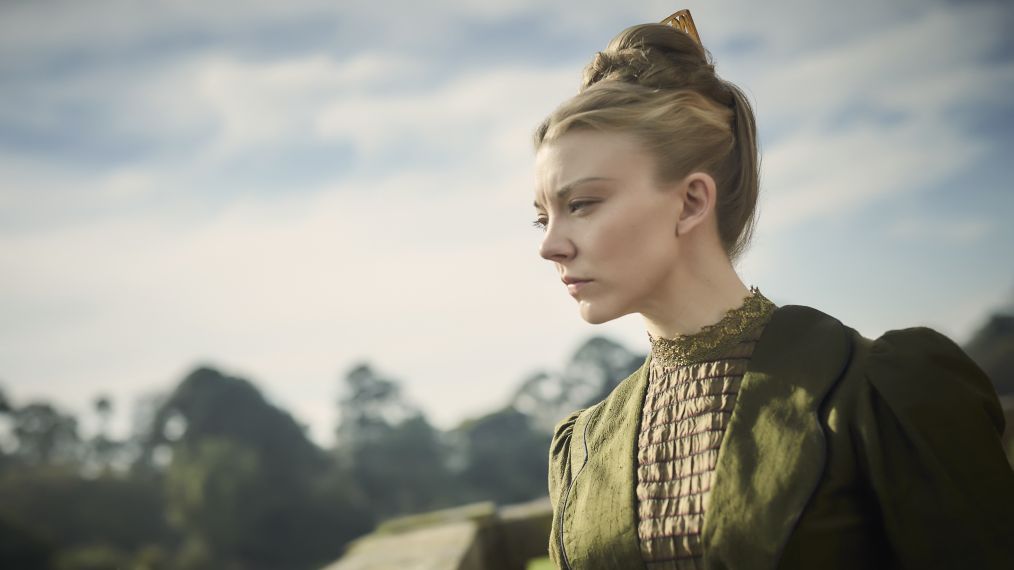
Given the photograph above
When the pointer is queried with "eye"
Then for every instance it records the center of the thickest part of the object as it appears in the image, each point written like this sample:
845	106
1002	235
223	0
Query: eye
573	207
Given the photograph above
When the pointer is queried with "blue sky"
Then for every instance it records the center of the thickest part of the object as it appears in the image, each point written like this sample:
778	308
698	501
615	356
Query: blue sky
284	189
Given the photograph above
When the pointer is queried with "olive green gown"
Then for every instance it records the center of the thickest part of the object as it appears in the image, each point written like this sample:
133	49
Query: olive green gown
827	450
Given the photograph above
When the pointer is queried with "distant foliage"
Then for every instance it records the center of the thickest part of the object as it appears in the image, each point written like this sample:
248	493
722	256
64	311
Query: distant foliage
44	435
393	454
590	375
507	457
992	347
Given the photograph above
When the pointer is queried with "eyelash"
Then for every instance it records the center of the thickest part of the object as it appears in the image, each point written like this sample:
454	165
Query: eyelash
577	204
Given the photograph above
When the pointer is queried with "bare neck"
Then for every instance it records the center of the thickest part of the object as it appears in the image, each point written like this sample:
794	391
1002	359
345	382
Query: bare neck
699	292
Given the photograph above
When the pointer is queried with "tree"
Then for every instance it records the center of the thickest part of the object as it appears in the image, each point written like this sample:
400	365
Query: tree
593	371
506	457
209	404
72	511
5	403
104	408
213	492
370	406
244	484
102	448
992	348
22	548
5	411
395	456
44	435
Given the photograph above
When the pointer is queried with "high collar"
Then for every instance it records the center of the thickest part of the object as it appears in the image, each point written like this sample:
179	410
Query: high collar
713	339
770	462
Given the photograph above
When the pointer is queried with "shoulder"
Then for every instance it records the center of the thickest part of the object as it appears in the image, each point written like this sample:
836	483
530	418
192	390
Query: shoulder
922	376
908	368
802	332
559	455
928	423
563	431
916	374
616	400
800	325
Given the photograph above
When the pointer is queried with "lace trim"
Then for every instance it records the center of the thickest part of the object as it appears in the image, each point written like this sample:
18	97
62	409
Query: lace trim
713	339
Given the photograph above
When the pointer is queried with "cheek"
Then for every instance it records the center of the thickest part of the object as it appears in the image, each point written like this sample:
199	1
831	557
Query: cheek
637	245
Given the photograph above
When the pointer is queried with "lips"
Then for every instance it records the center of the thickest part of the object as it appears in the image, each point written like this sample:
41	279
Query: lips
574	285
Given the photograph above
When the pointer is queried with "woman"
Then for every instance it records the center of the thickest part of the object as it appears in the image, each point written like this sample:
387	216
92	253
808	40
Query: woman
753	436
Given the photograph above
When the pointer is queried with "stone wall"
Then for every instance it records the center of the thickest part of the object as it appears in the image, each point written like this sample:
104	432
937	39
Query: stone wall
479	536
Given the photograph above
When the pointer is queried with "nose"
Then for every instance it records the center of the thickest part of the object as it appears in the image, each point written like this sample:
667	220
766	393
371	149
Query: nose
555	245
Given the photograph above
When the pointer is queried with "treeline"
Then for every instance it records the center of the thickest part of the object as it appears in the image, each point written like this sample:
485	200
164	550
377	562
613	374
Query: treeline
213	476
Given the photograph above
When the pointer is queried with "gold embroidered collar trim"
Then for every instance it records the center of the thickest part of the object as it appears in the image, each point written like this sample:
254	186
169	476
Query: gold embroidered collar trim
713	339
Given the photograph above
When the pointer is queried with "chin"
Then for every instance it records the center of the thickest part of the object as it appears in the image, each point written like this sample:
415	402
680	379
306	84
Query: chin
595	314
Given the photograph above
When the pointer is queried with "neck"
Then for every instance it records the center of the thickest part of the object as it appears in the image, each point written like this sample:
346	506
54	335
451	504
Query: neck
696	295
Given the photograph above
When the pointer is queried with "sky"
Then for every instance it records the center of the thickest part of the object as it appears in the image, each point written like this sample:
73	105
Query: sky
285	190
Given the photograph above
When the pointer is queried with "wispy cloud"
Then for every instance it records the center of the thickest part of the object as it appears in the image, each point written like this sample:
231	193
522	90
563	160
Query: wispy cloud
945	230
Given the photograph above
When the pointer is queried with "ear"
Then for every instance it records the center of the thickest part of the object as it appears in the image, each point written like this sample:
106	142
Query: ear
699	195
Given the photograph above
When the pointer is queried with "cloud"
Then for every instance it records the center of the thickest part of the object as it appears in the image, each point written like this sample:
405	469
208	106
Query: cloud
960	231
242	185
822	163
811	176
269	103
454	120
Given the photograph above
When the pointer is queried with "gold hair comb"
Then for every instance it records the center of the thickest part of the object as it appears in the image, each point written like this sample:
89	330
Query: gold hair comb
683	22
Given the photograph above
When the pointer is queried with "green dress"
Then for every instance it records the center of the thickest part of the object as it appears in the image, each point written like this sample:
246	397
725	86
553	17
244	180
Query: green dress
841	452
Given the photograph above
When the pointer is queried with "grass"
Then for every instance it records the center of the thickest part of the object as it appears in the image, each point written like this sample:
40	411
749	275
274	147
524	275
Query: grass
540	564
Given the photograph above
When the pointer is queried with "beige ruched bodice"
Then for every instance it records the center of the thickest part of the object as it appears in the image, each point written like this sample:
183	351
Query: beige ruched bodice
693	381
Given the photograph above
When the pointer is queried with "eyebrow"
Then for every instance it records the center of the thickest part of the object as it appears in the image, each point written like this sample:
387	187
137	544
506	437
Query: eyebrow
562	192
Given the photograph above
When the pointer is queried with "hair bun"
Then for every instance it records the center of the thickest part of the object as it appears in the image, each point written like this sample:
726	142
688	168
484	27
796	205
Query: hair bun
620	65
657	56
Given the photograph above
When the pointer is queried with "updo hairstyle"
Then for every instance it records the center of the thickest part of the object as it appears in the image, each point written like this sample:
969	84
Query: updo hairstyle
657	83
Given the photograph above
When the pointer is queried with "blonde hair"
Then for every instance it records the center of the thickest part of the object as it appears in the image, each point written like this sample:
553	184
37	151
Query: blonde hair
658	84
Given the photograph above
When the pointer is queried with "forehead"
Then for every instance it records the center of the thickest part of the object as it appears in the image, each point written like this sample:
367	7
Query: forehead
589	154
584	148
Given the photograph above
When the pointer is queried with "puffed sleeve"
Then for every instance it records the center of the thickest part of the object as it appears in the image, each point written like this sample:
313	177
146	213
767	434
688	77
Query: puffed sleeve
933	455
559	476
